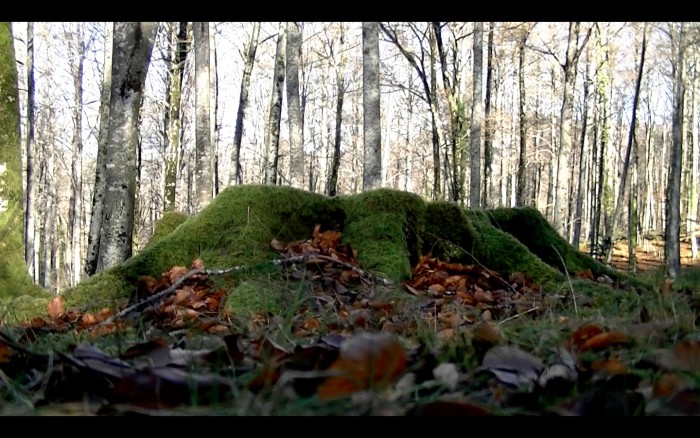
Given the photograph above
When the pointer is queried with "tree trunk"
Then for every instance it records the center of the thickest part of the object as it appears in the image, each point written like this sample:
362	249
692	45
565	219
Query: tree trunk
672	255
692	221
236	177
133	44
488	130
173	126
31	243
202	102
372	172
98	194
630	141
522	163
296	142
272	129
75	212
340	84
477	119
576	240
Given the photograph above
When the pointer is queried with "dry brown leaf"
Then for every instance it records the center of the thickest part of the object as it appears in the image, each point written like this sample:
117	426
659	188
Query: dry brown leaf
6	353
89	319
198	264
684	356
365	361
56	306
611	367
175	273
603	340
583	333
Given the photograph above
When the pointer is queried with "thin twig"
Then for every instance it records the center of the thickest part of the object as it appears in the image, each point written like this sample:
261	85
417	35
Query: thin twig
518	315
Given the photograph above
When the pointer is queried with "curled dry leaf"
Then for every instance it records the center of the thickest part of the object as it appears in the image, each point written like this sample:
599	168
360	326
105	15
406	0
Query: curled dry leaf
365	361
512	365
198	264
684	356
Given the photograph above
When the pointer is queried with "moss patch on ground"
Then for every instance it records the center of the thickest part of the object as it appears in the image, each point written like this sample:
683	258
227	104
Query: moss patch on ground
388	229
166	225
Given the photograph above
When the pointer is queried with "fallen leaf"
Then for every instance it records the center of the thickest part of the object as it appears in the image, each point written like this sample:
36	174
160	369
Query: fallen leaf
56	306
684	356
512	365
365	361
603	340
198	264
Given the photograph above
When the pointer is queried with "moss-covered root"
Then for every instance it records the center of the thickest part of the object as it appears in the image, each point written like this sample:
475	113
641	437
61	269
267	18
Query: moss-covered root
466	236
385	226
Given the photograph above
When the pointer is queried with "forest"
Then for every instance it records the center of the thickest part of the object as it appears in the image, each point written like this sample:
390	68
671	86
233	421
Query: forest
124	143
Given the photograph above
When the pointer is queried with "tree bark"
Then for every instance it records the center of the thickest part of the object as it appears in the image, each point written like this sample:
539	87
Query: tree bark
630	141
672	255
477	119
133	44
98	194
296	142
236	177
488	122
372	172
272	129
202	102
31	243
75	211
576	239
173	122
522	157
340	86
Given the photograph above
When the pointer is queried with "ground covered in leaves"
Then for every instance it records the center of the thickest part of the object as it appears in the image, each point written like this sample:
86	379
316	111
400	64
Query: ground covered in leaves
314	327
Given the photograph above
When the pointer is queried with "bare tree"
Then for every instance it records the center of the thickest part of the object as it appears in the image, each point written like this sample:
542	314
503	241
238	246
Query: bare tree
31	243
296	142
172	114
372	172
477	119
672	254
203	139
100	185
488	120
272	129
133	43
339	65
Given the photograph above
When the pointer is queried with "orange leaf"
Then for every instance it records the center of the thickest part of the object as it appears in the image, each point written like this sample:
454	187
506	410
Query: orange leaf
198	264
5	353
611	367
89	319
175	273
584	333
603	340
365	361
56	306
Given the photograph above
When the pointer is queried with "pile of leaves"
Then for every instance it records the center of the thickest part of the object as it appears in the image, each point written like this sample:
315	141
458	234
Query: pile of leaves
347	349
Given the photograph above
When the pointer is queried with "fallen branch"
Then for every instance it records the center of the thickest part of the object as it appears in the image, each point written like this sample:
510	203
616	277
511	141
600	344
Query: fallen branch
166	292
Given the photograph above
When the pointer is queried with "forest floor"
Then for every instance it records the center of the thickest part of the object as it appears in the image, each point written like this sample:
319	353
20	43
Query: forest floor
330	338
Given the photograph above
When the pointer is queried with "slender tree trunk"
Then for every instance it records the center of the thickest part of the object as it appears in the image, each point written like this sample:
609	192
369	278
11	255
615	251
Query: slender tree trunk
75	209
488	130
243	103
630	141
214	115
477	119
31	243
296	143
692	221
133	44
576	241
202	101
100	181
272	129
522	158
179	42
372	172
672	255
340	84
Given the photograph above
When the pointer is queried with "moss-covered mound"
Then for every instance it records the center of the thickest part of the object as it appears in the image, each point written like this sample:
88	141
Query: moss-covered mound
166	225
388	229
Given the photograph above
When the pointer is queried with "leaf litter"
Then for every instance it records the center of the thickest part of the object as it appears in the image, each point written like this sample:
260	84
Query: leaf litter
371	354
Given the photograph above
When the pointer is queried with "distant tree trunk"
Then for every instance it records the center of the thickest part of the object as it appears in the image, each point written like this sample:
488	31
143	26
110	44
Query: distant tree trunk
522	158
372	172
98	194
602	85
174	98
672	255
477	119
630	141
296	143
133	44
236	177
488	122
214	114
561	201
31	243
272	129
576	240
692	221
202	102
340	84
75	211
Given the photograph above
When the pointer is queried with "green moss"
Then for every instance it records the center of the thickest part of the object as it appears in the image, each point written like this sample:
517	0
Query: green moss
385	227
14	279
14	310
257	296
166	225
